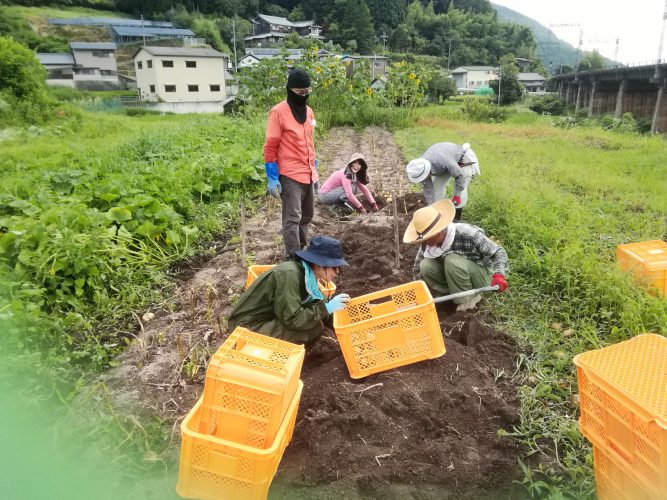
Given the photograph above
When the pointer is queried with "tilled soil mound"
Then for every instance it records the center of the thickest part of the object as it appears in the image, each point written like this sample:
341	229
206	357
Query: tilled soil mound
425	431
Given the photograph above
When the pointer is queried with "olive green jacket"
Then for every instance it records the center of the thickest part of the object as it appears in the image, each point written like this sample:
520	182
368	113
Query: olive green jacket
275	305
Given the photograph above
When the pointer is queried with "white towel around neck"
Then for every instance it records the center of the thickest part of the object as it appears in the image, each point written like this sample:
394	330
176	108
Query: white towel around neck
435	251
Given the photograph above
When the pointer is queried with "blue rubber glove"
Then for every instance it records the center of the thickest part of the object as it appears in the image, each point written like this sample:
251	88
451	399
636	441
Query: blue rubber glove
316	184
337	303
274	188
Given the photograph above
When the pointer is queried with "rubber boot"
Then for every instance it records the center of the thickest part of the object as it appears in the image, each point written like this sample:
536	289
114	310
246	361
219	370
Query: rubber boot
457	216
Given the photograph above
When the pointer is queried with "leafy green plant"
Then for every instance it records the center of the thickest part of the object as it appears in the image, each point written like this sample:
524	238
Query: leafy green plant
479	109
548	105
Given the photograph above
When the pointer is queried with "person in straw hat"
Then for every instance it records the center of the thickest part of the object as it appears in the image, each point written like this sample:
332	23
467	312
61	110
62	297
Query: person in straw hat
454	257
438	165
285	302
342	187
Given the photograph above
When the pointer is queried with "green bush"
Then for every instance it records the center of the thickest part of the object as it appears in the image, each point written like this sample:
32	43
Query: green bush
548	105
478	109
142	112
624	125
67	94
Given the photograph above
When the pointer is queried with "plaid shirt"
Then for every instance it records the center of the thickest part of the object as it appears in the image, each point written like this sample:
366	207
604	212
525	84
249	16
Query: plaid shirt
471	243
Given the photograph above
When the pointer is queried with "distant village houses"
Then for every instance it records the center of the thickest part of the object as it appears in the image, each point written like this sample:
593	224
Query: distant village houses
124	31
88	66
273	29
470	78
182	79
534	83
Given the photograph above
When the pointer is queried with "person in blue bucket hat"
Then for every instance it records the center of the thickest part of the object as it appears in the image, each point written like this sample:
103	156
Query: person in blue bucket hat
285	302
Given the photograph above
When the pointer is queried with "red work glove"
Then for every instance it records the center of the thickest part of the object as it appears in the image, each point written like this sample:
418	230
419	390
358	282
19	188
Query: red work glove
361	209
456	201
499	279
375	207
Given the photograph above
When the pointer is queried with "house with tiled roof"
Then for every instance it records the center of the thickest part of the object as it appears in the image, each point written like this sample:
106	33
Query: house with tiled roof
88	65
272	29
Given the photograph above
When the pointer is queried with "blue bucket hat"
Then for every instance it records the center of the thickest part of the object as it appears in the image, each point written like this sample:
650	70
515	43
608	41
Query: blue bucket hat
323	251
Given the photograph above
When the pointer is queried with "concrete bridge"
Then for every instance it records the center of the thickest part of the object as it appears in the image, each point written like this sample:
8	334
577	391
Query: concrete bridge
632	89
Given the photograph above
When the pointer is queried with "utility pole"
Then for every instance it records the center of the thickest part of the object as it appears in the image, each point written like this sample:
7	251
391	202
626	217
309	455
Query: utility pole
500	80
143	32
449	53
384	42
662	34
234	41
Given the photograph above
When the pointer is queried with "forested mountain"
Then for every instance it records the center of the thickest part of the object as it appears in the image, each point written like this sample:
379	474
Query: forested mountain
553	51
457	32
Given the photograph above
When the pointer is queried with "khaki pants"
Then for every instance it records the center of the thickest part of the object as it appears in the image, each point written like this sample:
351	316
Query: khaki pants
452	274
277	330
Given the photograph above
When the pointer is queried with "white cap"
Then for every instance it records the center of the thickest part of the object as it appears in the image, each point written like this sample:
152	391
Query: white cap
418	170
470	158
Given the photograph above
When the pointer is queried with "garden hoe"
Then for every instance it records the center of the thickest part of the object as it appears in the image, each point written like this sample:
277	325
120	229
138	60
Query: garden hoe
467	293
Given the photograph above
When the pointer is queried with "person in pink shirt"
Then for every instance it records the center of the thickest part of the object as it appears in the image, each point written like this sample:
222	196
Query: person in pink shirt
343	186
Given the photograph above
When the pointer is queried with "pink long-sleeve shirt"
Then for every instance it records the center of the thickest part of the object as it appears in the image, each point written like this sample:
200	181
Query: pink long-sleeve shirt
338	179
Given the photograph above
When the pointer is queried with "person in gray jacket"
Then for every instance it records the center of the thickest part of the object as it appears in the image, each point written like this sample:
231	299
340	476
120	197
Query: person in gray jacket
438	165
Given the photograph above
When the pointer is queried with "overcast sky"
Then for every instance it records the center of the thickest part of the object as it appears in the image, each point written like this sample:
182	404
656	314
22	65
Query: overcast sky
636	23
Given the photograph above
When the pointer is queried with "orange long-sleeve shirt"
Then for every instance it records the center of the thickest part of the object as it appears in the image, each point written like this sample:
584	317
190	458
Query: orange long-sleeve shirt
290	144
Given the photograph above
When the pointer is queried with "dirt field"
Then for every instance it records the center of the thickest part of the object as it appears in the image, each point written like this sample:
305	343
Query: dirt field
427	430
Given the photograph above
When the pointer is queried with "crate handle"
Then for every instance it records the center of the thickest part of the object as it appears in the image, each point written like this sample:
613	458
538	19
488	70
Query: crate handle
380	300
622	455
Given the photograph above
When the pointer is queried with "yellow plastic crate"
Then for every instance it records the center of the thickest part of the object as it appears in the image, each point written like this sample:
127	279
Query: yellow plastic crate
254	271
250	383
390	328
328	288
647	261
613	481
216	469
623	397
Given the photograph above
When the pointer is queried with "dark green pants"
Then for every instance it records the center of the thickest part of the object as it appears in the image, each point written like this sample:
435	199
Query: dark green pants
277	330
452	274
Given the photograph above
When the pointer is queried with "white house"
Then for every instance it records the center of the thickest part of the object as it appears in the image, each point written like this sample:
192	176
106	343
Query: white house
88	65
254	55
181	79
534	83
474	77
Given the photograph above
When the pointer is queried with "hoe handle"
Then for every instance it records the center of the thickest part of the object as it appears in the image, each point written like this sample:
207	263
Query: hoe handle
467	293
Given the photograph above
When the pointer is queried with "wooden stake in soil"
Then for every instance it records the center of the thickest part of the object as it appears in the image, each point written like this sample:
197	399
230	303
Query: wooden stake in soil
396	240
243	253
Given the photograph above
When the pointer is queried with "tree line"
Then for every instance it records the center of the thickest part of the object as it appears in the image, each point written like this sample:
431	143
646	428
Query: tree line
457	32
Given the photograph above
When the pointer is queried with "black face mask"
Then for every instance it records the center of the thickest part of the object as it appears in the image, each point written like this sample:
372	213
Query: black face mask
297	104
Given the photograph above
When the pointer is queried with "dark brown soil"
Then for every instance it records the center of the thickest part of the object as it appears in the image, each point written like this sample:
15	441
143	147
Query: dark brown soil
424	431
432	425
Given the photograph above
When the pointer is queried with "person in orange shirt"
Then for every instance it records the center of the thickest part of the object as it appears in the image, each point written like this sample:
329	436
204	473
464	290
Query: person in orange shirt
289	156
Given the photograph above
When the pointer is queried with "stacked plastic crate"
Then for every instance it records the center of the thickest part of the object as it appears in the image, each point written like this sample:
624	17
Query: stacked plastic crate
623	395
647	260
234	437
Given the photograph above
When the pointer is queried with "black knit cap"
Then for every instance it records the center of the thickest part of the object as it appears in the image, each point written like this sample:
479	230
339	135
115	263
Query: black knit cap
298	79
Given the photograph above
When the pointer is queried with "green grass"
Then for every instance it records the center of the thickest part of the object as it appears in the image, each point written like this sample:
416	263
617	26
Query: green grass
560	201
98	206
62	12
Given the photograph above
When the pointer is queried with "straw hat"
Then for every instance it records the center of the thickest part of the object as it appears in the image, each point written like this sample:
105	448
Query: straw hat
428	221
